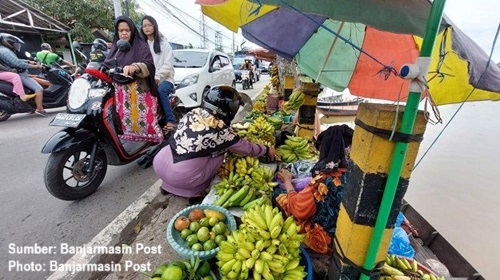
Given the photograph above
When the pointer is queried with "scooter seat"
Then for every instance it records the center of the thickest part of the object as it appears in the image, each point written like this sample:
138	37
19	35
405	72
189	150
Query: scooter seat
6	88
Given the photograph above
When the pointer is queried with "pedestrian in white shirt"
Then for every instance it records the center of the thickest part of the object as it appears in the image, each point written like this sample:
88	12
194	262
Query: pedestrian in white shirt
164	63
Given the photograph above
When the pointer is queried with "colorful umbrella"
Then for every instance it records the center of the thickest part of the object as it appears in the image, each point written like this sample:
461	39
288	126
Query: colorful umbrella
261	53
368	60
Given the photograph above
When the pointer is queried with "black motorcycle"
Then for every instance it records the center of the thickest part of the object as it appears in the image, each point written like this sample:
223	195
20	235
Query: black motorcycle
54	96
81	152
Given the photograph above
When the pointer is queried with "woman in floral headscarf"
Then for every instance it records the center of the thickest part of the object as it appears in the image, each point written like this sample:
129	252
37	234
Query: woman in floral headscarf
136	99
196	150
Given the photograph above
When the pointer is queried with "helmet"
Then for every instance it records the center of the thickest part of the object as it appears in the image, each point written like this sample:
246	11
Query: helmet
10	41
99	44
223	102
45	47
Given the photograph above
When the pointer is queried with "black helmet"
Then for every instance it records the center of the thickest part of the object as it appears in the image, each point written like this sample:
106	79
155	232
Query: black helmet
45	47
99	44
223	102
10	41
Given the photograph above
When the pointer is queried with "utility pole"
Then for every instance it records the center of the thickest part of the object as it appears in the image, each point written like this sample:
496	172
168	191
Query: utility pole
118	8
203	32
233	50
218	41
127	11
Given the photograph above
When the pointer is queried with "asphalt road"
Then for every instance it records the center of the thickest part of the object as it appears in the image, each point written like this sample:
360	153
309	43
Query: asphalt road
31	217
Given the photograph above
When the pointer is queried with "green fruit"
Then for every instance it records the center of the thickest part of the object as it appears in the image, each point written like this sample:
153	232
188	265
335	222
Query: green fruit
194	226
213	221
172	272
220	228
208	277
185	233
203	234
204	269
180	264
212	235
191	240
159	270
220	238
197	247
209	245
204	222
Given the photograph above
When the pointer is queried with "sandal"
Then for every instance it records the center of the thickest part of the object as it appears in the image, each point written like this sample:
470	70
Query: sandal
169	126
42	113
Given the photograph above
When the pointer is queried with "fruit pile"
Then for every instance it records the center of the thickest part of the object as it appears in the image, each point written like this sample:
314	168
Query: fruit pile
264	247
398	268
261	132
294	102
295	148
194	269
244	182
275	80
202	230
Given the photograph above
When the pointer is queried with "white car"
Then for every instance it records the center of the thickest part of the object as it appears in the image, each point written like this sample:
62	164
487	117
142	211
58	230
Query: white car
197	70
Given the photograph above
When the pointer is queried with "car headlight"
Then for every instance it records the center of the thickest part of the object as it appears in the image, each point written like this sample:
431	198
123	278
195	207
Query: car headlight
189	80
78	93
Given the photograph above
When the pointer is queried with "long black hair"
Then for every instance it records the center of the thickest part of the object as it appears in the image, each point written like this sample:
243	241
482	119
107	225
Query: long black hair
156	34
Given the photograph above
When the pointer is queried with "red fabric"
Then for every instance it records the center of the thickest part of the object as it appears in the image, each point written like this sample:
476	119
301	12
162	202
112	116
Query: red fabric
390	49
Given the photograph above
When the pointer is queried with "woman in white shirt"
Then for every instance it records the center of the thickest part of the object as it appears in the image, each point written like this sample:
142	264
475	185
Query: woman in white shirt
164	63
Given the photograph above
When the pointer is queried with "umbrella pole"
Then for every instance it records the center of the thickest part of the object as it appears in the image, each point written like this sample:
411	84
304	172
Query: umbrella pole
329	52
407	124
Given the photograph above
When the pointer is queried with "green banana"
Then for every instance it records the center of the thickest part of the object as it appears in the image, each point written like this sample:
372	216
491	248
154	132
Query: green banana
221	200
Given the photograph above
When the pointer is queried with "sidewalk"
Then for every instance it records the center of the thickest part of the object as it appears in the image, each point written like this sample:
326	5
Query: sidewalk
142	226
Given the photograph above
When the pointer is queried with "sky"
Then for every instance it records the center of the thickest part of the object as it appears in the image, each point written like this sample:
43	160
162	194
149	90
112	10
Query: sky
479	19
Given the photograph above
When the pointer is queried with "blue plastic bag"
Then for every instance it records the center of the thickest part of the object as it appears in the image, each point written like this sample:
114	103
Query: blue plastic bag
400	244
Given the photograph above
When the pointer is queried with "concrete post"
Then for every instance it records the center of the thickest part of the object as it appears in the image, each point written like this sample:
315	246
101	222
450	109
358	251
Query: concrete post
371	157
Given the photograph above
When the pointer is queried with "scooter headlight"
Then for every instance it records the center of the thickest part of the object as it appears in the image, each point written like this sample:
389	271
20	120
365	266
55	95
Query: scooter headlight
78	93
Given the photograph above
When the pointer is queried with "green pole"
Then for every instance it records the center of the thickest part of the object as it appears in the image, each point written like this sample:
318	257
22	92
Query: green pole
409	117
72	49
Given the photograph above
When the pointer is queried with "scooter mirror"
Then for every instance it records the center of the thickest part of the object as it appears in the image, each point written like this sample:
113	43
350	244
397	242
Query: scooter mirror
123	46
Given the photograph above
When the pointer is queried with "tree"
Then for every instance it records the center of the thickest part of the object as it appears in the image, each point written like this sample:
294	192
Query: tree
84	15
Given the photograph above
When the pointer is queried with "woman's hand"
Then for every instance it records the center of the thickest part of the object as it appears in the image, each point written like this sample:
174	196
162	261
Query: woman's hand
273	153
285	175
130	70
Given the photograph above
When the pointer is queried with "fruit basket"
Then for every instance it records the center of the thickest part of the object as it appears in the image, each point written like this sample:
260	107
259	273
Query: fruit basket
179	244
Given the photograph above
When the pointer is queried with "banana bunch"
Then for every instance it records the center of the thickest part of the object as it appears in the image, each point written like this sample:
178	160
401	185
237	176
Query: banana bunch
227	167
263	180
275	81
265	247
295	148
246	165
273	70
398	268
261	132
294	102
259	106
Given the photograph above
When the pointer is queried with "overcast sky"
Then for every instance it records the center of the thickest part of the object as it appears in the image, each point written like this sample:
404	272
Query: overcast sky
479	19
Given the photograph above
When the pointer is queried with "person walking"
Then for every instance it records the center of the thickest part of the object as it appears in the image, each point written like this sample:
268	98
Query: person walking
164	62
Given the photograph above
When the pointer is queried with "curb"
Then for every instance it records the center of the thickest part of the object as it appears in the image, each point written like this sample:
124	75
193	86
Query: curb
122	230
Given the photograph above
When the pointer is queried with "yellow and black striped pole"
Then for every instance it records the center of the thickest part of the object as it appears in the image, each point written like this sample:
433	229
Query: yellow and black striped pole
371	157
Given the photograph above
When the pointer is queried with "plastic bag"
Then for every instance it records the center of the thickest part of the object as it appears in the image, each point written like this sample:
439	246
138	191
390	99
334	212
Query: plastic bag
400	219
400	244
298	184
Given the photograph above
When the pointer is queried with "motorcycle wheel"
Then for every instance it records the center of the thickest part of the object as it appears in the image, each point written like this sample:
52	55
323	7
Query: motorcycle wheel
66	176
4	115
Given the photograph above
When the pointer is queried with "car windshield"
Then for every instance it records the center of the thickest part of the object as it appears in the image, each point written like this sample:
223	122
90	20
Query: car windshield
187	59
238	60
